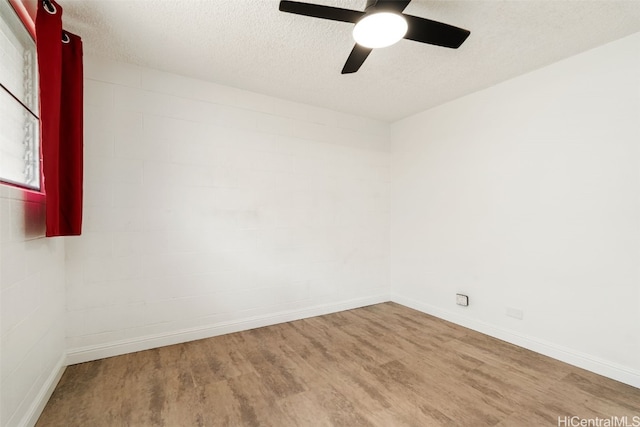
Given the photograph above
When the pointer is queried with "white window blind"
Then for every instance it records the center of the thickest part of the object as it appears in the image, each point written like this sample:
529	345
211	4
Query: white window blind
19	125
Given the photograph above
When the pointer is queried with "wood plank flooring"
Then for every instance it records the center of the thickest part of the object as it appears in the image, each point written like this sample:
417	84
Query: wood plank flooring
383	365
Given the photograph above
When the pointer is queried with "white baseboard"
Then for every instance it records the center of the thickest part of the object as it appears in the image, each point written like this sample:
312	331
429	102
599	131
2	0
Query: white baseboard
85	354
100	351
576	358
37	406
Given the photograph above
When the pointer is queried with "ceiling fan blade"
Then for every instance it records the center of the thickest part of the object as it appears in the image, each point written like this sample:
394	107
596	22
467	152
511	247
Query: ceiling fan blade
319	11
392	5
356	59
433	32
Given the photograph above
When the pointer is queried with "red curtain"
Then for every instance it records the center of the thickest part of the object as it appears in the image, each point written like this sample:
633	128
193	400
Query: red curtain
60	67
71	125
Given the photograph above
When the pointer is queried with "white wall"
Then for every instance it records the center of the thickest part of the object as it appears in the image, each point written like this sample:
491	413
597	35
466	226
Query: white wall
527	195
32	321
209	209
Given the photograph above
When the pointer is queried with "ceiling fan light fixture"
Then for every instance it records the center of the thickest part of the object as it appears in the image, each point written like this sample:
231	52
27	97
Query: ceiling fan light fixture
380	29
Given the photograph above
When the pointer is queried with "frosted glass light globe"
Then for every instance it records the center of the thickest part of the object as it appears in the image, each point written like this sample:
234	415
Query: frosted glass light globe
380	29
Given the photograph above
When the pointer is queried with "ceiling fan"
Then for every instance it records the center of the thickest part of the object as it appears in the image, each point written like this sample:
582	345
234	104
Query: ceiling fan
381	24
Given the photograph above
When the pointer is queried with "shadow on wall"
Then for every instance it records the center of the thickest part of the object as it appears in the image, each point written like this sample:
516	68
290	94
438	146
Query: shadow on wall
34	214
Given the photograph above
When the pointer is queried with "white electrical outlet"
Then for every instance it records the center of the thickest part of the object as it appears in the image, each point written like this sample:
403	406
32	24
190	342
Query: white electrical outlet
462	300
516	313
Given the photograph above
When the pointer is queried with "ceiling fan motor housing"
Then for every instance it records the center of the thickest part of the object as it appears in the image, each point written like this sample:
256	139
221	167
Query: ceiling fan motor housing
373	7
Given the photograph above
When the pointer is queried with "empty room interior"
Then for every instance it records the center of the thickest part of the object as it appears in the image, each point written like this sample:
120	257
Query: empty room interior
275	224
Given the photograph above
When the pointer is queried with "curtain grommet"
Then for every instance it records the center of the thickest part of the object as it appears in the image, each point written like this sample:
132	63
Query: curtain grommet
47	5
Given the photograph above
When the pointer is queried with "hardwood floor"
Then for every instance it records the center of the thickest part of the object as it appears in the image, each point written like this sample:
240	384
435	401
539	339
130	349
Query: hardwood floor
383	365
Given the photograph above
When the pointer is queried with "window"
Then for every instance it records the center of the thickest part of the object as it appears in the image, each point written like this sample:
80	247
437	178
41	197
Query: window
19	124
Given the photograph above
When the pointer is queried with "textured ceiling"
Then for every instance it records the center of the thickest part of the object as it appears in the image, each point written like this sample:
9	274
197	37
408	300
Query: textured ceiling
249	44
